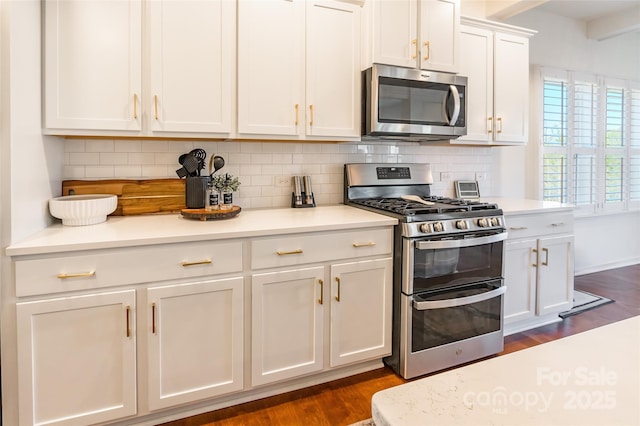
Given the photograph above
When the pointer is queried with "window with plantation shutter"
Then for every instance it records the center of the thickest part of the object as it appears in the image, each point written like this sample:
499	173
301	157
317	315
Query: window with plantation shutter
590	141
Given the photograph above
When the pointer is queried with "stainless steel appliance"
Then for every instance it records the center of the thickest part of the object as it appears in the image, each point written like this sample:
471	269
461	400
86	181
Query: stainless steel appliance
411	104
447	272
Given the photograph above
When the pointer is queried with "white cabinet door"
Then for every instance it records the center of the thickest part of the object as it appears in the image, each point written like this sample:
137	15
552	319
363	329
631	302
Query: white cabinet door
92	57
361	301
192	47
555	274
333	79
439	29
476	63
395	32
287	323
520	280
77	359
195	339
511	88
271	67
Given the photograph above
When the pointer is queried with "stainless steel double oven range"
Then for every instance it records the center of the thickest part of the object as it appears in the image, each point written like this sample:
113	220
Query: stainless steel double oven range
448	268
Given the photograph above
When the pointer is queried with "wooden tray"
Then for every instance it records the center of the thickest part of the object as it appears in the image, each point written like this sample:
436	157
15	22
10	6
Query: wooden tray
204	214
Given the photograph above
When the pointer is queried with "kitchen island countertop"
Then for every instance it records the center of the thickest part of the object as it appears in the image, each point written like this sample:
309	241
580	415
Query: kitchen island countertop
127	231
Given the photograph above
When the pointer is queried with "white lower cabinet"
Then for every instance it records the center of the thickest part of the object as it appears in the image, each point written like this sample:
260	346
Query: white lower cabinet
287	324
361	301
538	269
135	334
195	341
77	359
288	309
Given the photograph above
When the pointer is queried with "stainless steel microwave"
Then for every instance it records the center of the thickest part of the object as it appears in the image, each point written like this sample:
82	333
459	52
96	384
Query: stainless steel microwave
411	104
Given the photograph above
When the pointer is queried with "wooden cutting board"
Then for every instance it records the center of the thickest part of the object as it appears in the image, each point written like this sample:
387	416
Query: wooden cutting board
134	196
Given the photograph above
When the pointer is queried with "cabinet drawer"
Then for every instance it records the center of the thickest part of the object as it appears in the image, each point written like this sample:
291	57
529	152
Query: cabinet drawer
533	225
320	247
106	268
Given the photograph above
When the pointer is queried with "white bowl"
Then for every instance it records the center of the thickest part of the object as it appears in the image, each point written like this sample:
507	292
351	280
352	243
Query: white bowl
79	210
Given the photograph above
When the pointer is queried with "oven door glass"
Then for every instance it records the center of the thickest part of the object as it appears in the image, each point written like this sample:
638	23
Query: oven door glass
449	316
455	261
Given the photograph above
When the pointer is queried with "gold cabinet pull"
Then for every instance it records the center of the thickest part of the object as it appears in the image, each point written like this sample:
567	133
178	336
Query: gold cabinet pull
321	300
535	265
490	129
77	275
557	224
415	48
153	318
546	257
338	295
311	114
500	124
197	262
517	228
428	49
155	106
297	113
284	253
135	106
127	314
369	244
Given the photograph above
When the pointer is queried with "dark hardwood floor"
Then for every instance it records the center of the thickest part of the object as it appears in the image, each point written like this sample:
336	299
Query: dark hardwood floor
346	401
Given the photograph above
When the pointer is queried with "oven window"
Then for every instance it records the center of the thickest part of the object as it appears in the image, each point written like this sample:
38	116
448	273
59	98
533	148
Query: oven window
442	268
440	326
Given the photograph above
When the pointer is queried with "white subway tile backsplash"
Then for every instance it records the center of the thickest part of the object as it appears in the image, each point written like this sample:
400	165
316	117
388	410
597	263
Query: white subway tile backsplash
99	145
261	166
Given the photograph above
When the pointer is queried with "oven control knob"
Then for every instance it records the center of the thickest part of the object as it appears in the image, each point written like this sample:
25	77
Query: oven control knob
438	227
483	222
461	224
495	221
425	228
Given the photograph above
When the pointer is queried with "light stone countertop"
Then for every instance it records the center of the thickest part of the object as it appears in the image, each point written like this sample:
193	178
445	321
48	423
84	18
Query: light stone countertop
514	206
591	378
127	231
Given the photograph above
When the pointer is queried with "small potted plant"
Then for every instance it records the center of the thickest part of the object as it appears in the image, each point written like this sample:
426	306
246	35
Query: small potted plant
226	184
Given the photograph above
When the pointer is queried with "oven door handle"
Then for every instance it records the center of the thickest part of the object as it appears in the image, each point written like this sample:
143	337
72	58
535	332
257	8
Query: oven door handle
467	242
450	303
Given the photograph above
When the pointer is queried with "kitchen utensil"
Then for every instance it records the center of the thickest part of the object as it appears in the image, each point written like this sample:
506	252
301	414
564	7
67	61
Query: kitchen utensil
218	163
201	155
417	199
297	191
308	193
191	164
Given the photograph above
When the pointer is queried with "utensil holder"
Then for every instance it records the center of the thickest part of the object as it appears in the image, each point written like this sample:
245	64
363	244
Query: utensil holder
196	191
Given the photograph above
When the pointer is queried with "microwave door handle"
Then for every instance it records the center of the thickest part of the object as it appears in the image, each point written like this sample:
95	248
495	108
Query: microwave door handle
450	303
456	105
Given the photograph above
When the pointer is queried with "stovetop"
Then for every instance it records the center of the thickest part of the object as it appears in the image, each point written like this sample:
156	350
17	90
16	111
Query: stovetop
412	208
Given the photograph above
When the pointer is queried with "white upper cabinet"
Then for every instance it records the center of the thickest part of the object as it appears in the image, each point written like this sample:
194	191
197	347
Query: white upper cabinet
298	69
192	52
416	33
93	53
133	68
271	67
495	60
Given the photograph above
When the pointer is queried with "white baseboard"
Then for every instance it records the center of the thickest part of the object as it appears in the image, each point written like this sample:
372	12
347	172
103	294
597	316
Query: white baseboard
607	266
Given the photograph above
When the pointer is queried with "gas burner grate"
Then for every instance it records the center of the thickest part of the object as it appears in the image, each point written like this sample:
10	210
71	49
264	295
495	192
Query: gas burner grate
412	208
